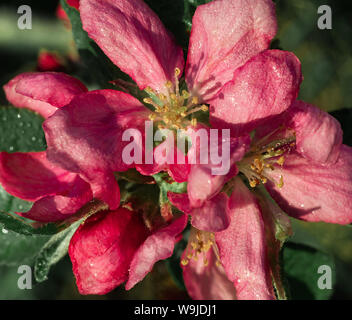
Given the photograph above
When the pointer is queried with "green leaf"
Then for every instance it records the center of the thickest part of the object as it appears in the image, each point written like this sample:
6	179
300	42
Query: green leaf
53	251
333	238
21	130
11	204
21	226
97	66
300	265
17	249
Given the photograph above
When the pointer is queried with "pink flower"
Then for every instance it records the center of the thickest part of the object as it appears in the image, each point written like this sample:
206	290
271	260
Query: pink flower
56	193
300	159
115	246
85	136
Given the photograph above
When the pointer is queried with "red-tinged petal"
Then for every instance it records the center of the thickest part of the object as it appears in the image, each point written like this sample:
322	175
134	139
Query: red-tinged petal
225	34
318	135
86	137
102	249
206	180
134	38
212	216
202	184
180	201
165	158
204	278
242	247
264	87
60	207
21	101
30	176
54	88
158	246
314	192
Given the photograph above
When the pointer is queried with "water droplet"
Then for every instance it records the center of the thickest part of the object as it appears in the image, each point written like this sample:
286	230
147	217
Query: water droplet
18	116
21	124
34	138
11	148
4	231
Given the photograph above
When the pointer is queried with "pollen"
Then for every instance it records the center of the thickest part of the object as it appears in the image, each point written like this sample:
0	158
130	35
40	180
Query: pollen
200	242
172	108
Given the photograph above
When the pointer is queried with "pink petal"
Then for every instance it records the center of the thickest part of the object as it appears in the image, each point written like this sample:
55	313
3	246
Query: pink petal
54	88
60	207
206	281
134	38
314	192
180	201
30	176
102	248
202	185
213	215
21	101
318	135
86	137
206	180
158	246
242	247
264	87
42	92
164	160
225	34
210	216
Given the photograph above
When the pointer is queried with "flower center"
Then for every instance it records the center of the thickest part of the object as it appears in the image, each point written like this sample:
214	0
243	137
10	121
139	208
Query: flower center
262	158
173	110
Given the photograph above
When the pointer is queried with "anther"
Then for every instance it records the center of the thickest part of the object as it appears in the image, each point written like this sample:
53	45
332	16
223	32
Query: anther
281	182
177	72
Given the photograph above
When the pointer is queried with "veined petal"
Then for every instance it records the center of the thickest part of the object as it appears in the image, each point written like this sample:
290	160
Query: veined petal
30	176
180	201
165	158
158	246
202	184
264	87
54	88
204	278
60	207
42	92
314	192
21	101
242	247
318	134
86	137
225	34
134	38
102	248
212	216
